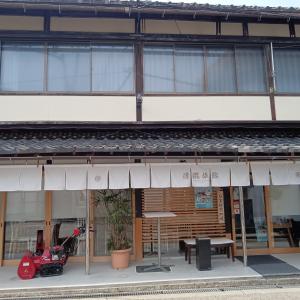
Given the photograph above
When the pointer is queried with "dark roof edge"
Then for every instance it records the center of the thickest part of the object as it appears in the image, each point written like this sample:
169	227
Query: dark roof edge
20	126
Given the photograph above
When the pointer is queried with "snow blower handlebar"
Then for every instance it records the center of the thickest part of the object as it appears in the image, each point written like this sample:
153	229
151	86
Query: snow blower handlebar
76	232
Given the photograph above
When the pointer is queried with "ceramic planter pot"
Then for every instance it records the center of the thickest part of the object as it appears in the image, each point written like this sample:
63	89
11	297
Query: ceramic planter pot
120	258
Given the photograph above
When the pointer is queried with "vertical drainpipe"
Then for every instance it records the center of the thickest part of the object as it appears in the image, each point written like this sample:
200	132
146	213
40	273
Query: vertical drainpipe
272	83
272	67
243	227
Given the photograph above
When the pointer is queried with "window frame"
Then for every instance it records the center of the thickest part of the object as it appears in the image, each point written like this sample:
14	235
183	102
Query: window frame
205	75
46	44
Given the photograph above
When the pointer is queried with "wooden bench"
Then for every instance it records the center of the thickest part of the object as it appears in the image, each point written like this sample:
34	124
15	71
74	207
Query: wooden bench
217	243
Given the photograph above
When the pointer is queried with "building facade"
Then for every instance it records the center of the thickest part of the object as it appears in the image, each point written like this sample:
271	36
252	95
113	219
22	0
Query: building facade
166	87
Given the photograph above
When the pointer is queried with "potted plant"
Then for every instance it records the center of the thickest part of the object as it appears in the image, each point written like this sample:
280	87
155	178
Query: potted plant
117	209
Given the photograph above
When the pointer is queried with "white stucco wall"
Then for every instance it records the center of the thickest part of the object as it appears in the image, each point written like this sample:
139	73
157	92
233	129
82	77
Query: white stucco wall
202	108
287	108
67	108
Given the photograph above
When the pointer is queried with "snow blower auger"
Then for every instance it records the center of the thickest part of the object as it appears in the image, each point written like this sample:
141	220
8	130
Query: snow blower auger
48	261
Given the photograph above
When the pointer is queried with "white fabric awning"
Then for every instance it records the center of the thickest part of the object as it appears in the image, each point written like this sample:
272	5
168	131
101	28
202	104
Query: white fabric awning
239	174
55	178
180	175
118	177
97	178
31	178
76	178
160	176
139	176
294	173
280	172
200	175
260	173
155	175
220	175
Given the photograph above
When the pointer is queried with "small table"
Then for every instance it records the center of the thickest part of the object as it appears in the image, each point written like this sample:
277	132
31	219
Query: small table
214	243
158	215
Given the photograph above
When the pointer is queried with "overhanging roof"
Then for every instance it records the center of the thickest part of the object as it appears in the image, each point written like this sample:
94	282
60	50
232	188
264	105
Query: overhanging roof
95	140
155	7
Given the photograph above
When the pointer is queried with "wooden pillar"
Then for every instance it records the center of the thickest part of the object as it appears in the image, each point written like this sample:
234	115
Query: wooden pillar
138	224
243	226
268	209
48	218
233	227
3	199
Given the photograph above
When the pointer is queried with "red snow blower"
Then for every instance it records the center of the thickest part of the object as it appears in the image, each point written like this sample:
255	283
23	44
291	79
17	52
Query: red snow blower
48	261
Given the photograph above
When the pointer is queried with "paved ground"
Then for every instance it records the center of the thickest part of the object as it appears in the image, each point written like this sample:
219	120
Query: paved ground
264	294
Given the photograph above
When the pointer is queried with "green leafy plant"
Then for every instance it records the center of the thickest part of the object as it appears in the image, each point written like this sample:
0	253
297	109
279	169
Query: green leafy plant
118	214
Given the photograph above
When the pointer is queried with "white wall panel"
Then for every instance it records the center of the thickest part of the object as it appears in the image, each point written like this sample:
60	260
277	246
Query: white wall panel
198	108
21	23
92	24
280	30
67	108
179	27
287	108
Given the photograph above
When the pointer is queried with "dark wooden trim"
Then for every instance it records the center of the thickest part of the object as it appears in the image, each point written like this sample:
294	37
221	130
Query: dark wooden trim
139	79
24	126
273	107
47	22
203	94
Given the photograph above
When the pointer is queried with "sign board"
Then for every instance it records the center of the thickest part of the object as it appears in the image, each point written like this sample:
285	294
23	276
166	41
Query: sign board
203	197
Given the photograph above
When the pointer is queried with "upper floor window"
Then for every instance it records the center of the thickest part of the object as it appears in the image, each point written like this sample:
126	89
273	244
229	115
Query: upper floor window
208	69
287	70
67	68
22	67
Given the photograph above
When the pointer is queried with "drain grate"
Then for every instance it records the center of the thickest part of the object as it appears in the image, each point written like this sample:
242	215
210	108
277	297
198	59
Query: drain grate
146	293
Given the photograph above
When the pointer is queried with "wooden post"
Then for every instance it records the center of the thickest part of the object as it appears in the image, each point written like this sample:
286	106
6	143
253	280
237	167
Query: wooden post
3	200
87	234
48	218
268	210
233	228
243	227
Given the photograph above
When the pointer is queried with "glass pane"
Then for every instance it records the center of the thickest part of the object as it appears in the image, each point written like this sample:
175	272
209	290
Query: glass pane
69	68
189	70
22	67
158	69
24	217
251	70
113	68
285	203
102	226
287	70
255	217
221	70
68	212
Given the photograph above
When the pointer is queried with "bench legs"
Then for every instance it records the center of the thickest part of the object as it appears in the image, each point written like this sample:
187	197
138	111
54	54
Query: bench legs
188	252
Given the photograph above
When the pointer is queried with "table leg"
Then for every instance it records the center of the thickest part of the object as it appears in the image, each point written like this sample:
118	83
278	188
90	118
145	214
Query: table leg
231	250
185	252
227	251
189	253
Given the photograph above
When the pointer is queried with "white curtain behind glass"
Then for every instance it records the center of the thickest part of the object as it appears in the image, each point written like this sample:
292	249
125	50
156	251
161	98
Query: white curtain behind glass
69	68
158	69
22	67
25	206
287	70
251	70
220	70
189	70
112	68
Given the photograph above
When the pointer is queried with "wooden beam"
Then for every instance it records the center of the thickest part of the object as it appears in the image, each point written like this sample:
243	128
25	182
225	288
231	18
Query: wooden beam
233	225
